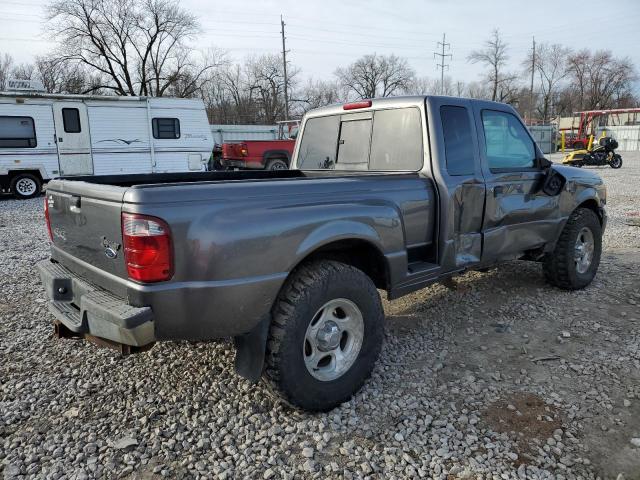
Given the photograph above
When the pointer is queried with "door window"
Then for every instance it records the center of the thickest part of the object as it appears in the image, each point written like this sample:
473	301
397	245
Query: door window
508	145
353	147
17	132
458	143
396	142
319	143
166	128
71	120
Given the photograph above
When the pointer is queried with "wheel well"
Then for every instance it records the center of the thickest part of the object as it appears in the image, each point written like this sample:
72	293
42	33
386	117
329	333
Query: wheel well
15	173
592	205
357	253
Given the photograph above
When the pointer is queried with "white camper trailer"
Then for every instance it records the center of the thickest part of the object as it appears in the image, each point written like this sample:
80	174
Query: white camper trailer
44	136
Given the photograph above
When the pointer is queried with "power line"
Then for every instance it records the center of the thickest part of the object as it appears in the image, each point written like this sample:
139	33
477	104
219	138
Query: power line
442	56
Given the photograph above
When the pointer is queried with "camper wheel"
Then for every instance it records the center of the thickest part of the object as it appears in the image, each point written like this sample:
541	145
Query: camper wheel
25	185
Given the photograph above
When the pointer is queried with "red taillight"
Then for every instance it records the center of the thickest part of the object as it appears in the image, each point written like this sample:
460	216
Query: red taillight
356	105
46	216
147	248
243	150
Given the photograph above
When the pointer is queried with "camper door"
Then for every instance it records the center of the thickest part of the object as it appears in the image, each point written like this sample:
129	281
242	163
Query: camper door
72	137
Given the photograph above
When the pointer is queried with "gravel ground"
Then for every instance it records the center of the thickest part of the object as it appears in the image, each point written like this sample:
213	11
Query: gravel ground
502	377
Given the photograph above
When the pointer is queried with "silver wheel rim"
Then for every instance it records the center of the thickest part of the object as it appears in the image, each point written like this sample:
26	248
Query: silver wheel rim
333	339
584	249
26	186
279	166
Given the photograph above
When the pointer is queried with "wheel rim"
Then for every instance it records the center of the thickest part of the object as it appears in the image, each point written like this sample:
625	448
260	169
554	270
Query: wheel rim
333	339
584	249
278	166
615	162
26	186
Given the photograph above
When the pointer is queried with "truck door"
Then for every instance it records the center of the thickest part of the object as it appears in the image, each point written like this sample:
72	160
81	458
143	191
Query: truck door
73	138
460	182
518	216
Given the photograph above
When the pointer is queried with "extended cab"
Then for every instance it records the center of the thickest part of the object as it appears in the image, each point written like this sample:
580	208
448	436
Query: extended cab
387	194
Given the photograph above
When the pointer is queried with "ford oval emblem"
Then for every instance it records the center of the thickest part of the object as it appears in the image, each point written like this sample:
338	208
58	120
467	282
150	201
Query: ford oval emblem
110	252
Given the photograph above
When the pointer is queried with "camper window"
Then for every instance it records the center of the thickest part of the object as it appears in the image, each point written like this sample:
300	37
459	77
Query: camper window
71	120
17	132
166	128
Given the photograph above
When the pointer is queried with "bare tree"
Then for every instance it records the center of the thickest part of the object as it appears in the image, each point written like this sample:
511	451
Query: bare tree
550	68
317	93
376	76
137	46
494	56
599	80
59	76
6	64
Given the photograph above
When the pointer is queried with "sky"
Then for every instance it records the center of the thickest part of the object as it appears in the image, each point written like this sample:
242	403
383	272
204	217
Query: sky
323	35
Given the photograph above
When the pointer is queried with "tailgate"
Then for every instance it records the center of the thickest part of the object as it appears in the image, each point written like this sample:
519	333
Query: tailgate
86	225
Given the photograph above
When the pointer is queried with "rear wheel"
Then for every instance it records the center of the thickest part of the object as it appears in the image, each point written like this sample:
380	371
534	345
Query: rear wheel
325	337
578	145
616	161
277	164
574	262
25	185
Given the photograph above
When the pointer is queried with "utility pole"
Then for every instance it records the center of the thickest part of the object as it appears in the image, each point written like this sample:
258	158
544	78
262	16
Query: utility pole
442	56
286	79
533	68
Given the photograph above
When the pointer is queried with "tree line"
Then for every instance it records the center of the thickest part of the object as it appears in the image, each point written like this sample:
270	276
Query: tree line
141	47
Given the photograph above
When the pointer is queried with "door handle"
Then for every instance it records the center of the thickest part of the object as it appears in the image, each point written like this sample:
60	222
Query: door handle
498	190
60	139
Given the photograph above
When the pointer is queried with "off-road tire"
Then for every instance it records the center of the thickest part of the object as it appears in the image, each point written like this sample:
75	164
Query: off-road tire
307	290
559	266
19	192
277	164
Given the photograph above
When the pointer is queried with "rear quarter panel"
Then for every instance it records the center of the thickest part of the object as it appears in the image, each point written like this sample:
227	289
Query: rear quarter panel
245	238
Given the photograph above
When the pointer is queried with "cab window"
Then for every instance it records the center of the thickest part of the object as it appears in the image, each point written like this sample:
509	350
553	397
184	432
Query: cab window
508	145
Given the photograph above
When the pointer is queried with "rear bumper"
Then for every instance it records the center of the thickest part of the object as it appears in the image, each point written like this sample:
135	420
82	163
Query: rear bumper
87	309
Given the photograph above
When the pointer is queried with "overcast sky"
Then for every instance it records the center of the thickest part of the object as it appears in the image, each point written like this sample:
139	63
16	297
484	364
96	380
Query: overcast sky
322	35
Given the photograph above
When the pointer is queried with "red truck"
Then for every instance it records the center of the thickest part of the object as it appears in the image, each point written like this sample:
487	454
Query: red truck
261	154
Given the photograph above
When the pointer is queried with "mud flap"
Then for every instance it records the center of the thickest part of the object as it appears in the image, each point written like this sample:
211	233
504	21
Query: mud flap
250	350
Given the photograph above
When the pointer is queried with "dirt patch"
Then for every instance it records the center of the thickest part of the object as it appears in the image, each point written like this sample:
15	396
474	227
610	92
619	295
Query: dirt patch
525	415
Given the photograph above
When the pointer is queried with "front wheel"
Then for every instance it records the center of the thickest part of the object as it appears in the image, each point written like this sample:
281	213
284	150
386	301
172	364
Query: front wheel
25	185
575	259
616	161
325	337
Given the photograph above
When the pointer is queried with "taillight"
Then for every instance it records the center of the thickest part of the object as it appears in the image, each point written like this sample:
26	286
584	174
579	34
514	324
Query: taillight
243	150
147	248
46	217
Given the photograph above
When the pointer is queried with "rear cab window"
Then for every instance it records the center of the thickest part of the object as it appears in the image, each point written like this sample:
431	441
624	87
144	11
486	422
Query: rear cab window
458	140
382	140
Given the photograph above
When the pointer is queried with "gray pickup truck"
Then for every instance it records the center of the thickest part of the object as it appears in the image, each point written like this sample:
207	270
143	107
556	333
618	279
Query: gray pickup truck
387	194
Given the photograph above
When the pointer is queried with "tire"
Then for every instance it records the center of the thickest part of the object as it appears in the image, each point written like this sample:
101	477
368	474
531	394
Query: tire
562	267
299	372
616	161
25	185
277	164
578	145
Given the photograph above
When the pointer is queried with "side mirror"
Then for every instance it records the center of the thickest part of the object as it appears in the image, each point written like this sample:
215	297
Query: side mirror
553	182
544	163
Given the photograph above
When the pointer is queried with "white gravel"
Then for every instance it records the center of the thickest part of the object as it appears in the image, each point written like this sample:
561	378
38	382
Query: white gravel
504	377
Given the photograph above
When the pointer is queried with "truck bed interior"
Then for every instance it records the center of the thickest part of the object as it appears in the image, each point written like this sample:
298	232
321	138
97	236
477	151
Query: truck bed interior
143	179
185	177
